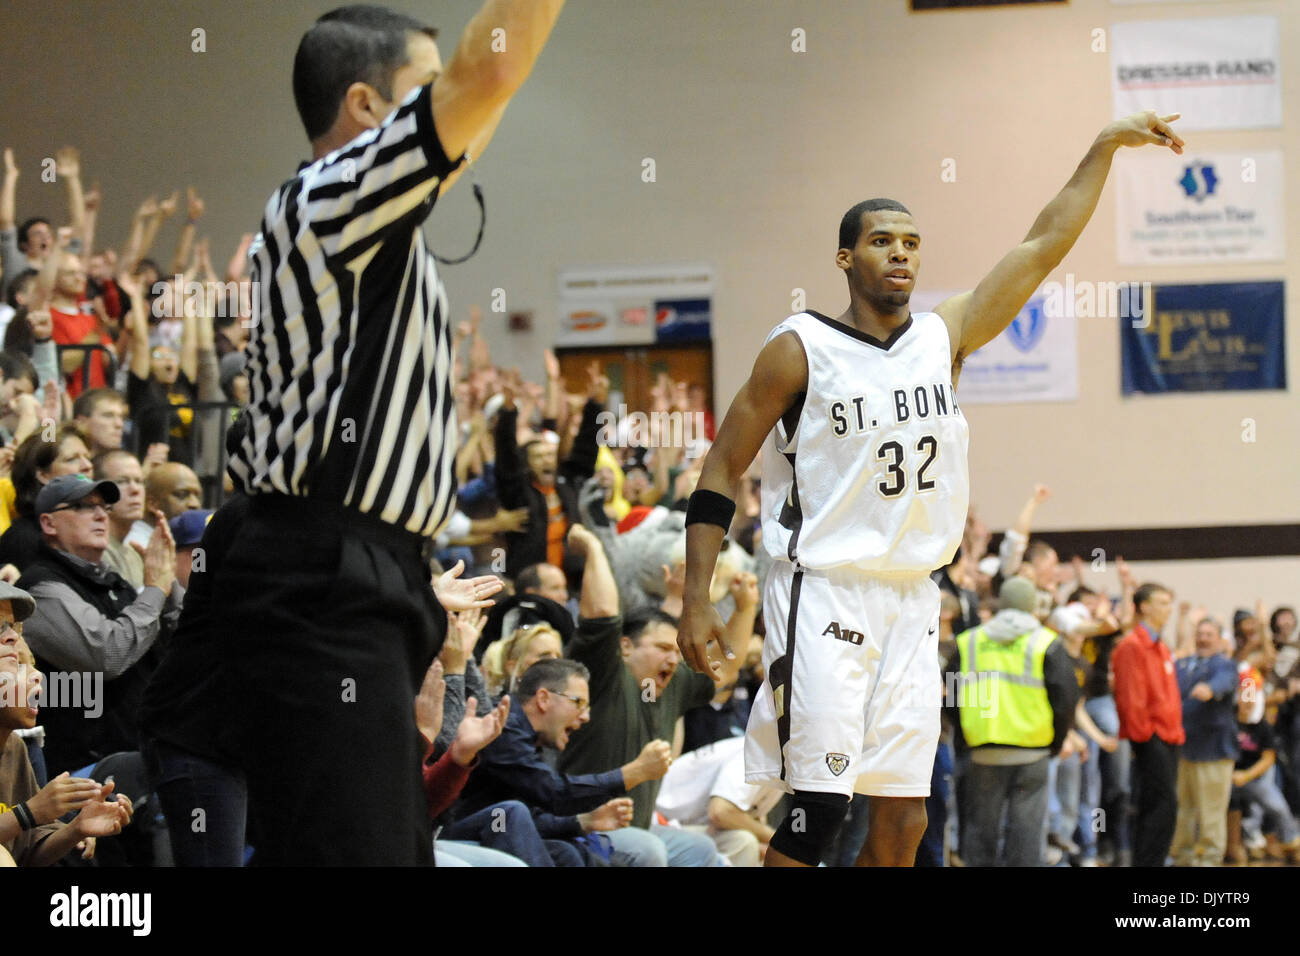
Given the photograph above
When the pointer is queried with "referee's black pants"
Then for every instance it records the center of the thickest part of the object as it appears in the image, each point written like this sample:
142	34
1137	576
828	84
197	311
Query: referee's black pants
1155	766
332	624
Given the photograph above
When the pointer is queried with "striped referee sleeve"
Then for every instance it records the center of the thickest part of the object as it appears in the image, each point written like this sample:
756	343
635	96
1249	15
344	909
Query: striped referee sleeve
378	184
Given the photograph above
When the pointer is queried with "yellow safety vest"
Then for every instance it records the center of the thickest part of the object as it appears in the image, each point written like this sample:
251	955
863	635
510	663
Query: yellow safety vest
1002	696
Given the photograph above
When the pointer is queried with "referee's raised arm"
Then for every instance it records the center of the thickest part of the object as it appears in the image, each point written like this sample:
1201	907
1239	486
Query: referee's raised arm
369	182
491	62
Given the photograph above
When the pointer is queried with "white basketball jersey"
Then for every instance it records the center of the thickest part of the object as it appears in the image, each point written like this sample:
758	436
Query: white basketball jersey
875	475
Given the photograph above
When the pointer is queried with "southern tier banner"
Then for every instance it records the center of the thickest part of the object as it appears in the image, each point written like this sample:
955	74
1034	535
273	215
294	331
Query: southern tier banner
1225	336
1202	207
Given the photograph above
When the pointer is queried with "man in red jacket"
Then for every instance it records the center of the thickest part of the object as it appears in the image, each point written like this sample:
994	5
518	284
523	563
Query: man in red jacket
1151	716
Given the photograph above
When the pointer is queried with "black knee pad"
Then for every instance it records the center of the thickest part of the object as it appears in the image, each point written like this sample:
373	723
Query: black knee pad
811	825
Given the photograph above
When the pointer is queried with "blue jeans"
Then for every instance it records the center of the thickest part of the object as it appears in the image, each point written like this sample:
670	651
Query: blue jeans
930	852
662	846
1115	773
1021	793
455	853
1069	787
205	805
686	848
1265	793
634	846
1089	800
509	827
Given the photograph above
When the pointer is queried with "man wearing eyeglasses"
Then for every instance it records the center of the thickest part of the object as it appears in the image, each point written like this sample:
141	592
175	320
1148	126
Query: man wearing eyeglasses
89	620
123	469
552	700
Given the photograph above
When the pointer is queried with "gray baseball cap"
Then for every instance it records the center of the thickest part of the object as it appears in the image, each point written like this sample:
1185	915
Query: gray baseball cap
68	488
23	604
1018	593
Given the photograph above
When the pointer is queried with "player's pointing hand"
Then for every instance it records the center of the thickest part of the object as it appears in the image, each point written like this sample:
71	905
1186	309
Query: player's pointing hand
1145	128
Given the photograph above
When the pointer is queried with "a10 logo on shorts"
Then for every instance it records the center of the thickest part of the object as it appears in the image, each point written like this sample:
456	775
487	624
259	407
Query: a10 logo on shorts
843	633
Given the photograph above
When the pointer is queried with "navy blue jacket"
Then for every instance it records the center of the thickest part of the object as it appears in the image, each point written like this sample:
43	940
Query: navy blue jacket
512	767
1211	726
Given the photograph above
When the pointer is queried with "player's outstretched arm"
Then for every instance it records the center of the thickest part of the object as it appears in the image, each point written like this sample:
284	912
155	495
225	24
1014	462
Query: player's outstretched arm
779	377
977	317
494	57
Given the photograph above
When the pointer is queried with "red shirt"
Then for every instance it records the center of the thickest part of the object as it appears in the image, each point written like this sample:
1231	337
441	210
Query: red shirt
113	299
70	328
443	781
1146	689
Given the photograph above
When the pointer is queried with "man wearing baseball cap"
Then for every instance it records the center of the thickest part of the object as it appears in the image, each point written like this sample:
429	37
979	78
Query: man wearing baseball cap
89	619
187	531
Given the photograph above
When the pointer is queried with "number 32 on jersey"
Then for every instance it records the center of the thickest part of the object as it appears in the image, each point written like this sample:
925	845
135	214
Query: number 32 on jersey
892	454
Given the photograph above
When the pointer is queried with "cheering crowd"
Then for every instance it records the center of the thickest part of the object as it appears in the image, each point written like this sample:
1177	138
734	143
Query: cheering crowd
561	726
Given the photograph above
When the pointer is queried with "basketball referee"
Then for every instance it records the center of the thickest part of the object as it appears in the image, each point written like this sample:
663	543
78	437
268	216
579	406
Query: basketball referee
352	437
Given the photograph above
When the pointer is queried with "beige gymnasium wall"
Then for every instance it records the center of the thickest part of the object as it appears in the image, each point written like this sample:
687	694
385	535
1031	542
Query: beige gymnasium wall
758	151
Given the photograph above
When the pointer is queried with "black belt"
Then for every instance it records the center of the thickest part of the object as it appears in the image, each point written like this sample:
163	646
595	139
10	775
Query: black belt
310	512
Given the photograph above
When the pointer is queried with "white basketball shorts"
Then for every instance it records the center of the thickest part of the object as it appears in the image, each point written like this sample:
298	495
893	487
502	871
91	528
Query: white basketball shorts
852	689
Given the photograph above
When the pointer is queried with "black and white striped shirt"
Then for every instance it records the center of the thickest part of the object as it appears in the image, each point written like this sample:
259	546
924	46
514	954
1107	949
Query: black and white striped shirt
349	355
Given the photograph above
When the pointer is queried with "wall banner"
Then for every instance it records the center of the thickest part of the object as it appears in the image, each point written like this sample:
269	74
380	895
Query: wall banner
1227	336
1200	207
1218	72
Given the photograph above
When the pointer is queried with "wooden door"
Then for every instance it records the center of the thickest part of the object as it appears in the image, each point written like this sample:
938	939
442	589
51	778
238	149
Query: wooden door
632	370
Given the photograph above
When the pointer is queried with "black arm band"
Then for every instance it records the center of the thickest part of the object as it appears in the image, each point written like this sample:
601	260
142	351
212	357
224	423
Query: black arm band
709	507
25	819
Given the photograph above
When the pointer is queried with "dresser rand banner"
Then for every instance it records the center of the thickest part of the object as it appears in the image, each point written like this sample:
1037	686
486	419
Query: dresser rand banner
1207	338
1200	207
1218	72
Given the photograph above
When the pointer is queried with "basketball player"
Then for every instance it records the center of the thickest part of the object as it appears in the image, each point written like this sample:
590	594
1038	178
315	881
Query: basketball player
864	493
